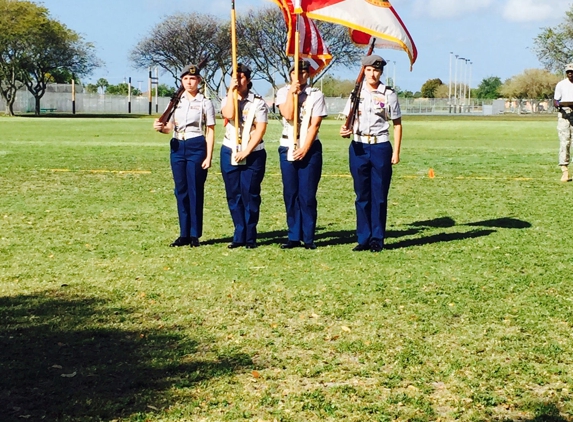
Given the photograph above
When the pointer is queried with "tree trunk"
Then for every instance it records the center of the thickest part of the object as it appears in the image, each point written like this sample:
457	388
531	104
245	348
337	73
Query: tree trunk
37	105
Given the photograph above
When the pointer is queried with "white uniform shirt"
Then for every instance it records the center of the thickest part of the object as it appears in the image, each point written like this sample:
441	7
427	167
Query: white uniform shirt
318	108
261	115
374	108
564	91
191	113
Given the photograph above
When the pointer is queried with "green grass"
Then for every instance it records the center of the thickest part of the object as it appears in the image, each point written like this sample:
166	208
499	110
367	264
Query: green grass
467	315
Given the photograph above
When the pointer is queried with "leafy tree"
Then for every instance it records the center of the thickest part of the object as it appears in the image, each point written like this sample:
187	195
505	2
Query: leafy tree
554	46
407	94
55	48
429	88
533	85
442	91
102	84
489	88
182	39
334	87
92	89
18	23
120	89
165	91
261	43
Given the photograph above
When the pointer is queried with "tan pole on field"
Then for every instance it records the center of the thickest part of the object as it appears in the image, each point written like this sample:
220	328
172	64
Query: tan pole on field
234	64
149	97
295	98
73	95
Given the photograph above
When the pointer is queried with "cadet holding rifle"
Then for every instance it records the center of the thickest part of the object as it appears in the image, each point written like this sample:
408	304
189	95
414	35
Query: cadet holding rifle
243	156
371	154
186	117
563	101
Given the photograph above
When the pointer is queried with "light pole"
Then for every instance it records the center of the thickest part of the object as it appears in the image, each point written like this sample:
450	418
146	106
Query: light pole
460	86
394	75
455	85
450	83
470	86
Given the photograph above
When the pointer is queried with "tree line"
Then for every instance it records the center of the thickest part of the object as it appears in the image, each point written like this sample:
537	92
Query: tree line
36	49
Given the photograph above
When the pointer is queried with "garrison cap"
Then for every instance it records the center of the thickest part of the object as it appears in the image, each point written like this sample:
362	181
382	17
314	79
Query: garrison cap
244	69
373	60
569	67
302	65
190	69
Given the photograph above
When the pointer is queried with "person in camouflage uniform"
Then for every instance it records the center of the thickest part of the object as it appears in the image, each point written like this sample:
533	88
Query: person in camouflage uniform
563	101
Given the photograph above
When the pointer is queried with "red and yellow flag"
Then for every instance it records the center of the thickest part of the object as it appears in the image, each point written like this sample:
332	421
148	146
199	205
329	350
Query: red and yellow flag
365	18
311	45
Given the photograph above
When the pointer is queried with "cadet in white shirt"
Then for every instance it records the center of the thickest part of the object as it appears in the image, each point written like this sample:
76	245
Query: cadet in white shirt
191	154
243	163
371	154
301	167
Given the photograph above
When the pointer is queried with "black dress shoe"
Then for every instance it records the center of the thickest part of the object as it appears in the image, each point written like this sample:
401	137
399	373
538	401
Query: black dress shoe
251	246
194	243
181	241
360	248
376	247
291	244
234	245
310	246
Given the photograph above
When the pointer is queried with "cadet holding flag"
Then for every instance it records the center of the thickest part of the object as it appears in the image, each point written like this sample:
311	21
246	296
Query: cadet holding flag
243	160
371	154
300	161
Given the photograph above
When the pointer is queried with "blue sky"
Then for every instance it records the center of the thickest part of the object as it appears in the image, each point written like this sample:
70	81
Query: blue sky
496	35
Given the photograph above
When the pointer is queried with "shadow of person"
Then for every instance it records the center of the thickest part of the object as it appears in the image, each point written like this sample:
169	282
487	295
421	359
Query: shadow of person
437	238
67	358
502	223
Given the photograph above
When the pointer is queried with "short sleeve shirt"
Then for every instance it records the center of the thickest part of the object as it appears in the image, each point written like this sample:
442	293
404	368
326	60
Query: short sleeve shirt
375	107
564	91
193	112
318	108
245	105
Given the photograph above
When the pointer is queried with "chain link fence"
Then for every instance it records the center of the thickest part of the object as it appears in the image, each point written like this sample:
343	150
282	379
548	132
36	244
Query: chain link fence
58	99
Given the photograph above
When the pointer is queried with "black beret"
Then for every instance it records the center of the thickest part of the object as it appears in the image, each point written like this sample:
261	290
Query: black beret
190	69
302	65
373	60
244	69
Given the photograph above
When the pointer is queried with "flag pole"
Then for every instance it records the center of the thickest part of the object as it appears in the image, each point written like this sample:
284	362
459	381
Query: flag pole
234	76
296	141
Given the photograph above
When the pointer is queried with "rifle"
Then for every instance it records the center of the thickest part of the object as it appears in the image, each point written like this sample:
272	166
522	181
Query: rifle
355	94
166	116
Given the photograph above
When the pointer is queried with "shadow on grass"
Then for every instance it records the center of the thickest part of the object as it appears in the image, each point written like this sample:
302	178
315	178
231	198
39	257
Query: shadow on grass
544	412
344	237
502	223
67	359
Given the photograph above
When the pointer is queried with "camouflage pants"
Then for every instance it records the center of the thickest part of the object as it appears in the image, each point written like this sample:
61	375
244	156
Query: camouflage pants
565	132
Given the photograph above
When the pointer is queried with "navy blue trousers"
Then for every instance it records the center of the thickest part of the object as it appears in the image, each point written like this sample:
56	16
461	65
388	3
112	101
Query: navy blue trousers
186	159
243	188
300	184
371	169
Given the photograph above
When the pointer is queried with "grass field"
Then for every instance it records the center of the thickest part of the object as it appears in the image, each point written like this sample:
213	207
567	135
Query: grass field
467	315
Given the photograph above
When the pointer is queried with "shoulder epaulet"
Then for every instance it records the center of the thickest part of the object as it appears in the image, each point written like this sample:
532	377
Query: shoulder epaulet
258	97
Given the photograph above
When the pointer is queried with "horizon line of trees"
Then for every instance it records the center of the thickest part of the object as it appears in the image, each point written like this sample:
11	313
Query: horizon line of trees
36	49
